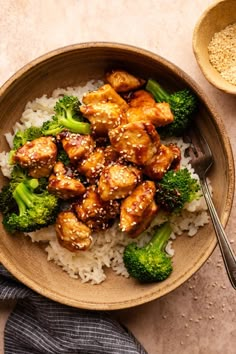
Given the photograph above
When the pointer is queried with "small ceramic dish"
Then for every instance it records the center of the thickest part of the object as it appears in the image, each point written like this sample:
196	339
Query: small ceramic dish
215	19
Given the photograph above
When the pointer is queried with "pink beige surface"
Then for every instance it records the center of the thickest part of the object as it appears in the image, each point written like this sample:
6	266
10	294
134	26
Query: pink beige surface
198	317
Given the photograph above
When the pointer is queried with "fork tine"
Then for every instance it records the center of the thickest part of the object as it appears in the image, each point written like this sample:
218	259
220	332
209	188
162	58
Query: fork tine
193	136
203	142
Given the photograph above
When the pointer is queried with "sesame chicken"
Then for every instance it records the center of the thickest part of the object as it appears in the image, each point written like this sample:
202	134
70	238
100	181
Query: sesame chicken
175	165
103	116
77	146
111	155
93	165
63	185
122	81
38	156
117	181
141	98
119	162
96	213
72	234
144	108
138	209
160	163
104	94
136	142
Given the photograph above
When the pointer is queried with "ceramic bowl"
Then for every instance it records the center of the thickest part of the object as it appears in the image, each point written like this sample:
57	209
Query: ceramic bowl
213	20
69	66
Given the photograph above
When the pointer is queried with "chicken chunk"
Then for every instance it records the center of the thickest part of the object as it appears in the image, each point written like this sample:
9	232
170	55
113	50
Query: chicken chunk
159	115
111	155
141	98
38	155
136	142
122	81
160	163
77	146
144	108
97	160
117	181
104	94
63	185
93	165
103	116
177	156
96	213
138	209
72	234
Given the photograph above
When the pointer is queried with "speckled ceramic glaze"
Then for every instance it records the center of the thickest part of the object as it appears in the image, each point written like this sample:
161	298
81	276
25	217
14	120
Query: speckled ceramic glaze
69	66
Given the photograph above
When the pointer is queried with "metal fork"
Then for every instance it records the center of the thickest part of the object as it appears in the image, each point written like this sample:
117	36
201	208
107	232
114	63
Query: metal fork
202	160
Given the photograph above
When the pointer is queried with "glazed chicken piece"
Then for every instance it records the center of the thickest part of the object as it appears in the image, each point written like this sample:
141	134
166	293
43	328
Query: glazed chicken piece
104	94
160	163
72	234
136	142
103	116
138	209
92	167
63	185
117	181
111	155
141	98
38	156
177	157
77	146
96	213
122	81
144	108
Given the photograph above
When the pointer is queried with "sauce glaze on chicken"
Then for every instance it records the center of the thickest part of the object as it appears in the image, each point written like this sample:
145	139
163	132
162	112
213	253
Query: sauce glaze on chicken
119	162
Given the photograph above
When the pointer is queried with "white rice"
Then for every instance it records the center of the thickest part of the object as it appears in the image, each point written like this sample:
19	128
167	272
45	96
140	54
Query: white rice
108	246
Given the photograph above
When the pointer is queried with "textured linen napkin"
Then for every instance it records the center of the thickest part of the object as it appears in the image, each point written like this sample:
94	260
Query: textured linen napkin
41	326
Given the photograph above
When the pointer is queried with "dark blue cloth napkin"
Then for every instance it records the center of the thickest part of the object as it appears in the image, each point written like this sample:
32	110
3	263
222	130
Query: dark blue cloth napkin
38	325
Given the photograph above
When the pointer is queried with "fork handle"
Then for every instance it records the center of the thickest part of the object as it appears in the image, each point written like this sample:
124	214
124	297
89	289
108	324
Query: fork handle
225	247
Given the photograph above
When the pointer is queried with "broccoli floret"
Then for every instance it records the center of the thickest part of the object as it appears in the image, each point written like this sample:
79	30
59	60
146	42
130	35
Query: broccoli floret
36	208
7	202
22	136
182	103
150	263
67	117
18	175
175	189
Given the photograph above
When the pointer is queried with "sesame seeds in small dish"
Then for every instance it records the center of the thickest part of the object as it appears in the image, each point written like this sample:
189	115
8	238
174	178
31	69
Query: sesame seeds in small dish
214	45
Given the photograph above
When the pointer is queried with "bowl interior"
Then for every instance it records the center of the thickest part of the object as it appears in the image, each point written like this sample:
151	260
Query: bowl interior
72	66
213	20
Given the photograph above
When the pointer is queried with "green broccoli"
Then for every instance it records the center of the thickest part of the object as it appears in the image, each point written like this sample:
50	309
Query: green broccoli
175	189
150	263
182	103
36	208
22	136
7	202
67	117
